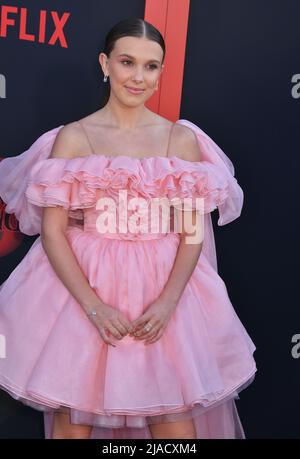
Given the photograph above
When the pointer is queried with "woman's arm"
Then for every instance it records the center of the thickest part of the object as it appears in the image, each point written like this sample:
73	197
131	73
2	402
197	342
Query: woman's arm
54	225
187	256
63	260
191	229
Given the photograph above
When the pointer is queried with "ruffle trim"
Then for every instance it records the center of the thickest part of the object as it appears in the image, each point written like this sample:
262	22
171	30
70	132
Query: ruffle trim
134	417
73	183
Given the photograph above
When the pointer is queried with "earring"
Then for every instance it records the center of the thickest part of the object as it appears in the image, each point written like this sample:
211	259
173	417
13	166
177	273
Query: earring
105	78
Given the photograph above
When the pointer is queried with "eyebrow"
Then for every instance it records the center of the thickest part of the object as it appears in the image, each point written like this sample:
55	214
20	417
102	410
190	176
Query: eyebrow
131	57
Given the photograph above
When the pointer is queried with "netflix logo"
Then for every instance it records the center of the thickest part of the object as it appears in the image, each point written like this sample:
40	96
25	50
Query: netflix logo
50	22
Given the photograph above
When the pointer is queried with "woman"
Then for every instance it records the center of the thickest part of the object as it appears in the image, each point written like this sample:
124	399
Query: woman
123	334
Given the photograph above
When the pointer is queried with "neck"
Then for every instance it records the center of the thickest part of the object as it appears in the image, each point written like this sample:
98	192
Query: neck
124	117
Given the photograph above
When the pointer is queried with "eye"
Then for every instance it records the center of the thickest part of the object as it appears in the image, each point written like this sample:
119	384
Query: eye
123	62
151	66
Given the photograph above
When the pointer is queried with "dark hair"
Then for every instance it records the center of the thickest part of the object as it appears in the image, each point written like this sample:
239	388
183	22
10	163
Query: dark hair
130	27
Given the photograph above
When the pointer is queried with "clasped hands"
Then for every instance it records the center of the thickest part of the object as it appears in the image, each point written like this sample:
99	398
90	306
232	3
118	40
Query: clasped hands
149	326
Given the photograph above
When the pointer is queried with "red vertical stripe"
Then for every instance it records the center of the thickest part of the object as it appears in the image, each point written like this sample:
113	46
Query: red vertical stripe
170	17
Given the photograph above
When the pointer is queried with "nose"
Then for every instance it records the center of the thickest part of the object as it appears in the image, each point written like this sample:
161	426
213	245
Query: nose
138	76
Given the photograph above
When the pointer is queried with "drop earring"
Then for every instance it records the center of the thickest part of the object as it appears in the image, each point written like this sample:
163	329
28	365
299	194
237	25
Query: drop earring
105	78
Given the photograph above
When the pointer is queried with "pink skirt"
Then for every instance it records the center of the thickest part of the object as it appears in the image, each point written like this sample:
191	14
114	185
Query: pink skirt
56	360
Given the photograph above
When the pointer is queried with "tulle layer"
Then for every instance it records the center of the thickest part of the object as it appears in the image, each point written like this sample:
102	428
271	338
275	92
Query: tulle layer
73	183
217	421
56	358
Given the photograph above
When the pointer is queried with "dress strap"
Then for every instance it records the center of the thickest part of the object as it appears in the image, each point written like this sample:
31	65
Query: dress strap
86	134
169	139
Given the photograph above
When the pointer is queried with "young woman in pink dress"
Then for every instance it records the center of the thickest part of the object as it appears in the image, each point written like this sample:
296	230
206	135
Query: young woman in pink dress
123	334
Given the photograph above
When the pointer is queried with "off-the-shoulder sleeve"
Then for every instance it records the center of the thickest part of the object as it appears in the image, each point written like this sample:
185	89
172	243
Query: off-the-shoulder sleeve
69	183
14	179
190	185
223	190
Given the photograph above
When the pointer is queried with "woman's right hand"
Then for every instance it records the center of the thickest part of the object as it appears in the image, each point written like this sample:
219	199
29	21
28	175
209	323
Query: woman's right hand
109	320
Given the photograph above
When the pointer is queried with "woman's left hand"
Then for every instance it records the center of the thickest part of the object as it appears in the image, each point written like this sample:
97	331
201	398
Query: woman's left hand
157	315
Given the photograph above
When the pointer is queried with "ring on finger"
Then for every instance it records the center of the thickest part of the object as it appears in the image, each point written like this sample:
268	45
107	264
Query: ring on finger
148	326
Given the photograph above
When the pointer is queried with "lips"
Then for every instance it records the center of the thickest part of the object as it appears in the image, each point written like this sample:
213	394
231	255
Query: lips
134	90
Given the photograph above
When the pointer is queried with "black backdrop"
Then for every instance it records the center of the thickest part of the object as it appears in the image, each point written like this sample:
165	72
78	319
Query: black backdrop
240	61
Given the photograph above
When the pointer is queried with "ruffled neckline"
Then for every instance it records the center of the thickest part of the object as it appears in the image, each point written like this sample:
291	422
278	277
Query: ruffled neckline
151	166
74	182
147	169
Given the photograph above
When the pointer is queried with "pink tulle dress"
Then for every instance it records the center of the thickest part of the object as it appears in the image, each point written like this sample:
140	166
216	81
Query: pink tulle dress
56	358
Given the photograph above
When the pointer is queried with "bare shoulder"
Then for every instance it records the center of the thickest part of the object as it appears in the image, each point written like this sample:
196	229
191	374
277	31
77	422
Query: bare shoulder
184	143
69	142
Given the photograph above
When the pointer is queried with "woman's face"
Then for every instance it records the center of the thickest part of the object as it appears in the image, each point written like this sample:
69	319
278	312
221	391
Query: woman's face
134	63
